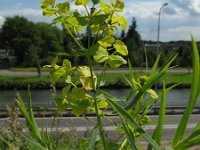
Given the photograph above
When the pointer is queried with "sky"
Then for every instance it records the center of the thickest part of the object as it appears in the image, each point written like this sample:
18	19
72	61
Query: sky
179	19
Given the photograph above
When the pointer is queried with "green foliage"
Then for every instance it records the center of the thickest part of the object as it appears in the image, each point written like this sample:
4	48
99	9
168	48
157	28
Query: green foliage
120	47
101	55
49	39
103	21
31	123
21	46
192	100
82	2
105	49
29	41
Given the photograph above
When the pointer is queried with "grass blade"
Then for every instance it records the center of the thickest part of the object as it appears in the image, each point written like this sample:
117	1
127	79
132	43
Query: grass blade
153	71
125	115
93	136
157	135
151	82
30	121
146	58
161	117
129	135
151	101
191	140
193	96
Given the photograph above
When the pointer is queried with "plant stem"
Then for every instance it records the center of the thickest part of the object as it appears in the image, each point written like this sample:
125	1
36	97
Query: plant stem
75	40
99	121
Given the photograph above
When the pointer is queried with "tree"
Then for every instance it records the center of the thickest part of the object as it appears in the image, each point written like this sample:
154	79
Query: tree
184	57
15	28
21	51
123	35
133	42
31	57
49	38
42	38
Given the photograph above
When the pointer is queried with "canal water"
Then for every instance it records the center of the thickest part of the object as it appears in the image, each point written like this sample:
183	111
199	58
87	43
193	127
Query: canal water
176	97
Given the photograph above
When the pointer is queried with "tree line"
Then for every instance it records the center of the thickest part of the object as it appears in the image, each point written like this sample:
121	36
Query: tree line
34	44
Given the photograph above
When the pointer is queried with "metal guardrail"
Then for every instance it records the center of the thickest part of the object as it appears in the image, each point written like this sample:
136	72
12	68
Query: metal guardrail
174	109
50	111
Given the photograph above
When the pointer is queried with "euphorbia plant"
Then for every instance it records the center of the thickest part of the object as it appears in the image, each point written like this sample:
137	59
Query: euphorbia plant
101	20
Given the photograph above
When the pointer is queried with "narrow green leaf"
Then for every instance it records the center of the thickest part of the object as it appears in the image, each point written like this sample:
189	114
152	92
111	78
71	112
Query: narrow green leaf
30	121
193	96
129	135
159	129
124	114
153	71
146	86
168	62
146	58
151	100
151	82
191	140
32	141
93	136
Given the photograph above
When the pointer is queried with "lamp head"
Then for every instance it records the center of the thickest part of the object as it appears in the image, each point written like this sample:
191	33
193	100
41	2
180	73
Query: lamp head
165	4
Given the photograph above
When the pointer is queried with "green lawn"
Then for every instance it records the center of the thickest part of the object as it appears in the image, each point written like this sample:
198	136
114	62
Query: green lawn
115	80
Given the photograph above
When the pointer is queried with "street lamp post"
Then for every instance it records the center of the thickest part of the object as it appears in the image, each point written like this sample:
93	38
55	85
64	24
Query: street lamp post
158	35
158	31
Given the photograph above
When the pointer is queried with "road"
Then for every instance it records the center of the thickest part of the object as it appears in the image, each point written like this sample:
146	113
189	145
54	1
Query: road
34	73
81	125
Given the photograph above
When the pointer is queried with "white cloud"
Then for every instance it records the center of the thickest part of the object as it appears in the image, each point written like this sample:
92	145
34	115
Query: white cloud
31	14
141	9
21	12
184	32
179	19
195	5
1	20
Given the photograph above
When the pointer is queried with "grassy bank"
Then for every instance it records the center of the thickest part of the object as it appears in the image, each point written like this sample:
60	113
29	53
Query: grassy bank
112	80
